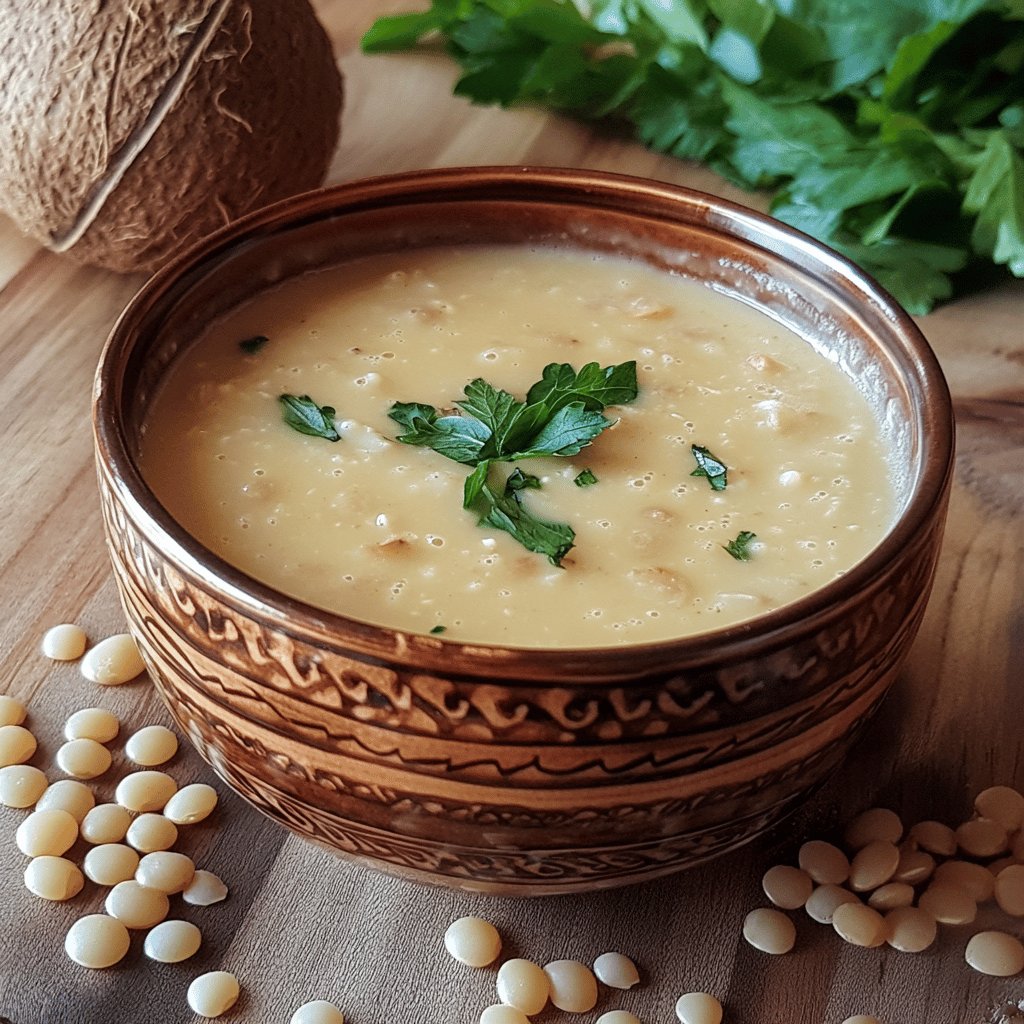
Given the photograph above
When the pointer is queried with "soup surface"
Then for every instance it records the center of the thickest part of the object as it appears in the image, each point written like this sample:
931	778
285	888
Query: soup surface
375	529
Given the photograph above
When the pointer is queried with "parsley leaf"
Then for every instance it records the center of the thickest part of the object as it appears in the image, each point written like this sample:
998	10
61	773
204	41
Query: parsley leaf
585	478
506	512
740	547
894	133
562	414
301	413
437	630
458	438
252	345
710	467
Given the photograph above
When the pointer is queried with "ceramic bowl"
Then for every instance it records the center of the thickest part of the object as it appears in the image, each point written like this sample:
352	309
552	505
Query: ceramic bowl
510	770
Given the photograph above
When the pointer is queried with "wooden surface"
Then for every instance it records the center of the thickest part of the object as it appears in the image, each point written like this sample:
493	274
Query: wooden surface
300	924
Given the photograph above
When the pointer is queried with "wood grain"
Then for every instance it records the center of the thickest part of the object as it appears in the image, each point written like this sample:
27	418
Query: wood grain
299	923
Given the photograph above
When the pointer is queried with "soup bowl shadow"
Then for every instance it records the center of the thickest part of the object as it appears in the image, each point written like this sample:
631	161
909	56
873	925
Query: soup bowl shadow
499	769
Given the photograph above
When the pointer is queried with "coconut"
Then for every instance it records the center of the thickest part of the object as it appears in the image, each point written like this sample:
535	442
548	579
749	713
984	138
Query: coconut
130	128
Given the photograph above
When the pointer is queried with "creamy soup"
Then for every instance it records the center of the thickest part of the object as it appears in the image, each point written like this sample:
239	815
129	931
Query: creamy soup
375	529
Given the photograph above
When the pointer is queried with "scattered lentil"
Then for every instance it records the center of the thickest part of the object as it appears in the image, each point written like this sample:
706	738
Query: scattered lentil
17	745
947	904
105	823
145	791
151	745
214	993
166	872
170	942
524	985
473	941
698	1008
110	864
1003	804
823	902
97	941
1009	890
616	970
68	795
915	866
12	711
83	758
996	954
769	931
825	863
21	785
151	833
113	661
65	642
136	906
191	804
878	824
787	887
982	837
892	895
859	925
53	878
910	929
319	1011
934	837
205	889
47	833
572	986
499	1013
92	724
873	865
973	879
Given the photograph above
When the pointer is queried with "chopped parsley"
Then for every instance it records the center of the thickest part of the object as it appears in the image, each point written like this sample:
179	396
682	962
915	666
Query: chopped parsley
740	547
438	630
301	413
561	415
709	466
252	345
585	479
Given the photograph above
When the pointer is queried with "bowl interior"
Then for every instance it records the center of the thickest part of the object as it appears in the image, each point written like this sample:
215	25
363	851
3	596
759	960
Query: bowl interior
751	258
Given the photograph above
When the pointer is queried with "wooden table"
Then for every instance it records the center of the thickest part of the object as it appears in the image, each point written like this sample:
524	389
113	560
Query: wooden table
300	924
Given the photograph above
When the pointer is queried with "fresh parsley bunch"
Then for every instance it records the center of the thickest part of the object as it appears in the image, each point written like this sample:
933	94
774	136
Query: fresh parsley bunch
892	132
563	412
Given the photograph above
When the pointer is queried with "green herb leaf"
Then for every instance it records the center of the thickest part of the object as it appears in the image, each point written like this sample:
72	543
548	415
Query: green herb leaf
562	414
585	478
437	630
459	438
301	413
740	547
894	133
518	481
252	345
507	512
710	467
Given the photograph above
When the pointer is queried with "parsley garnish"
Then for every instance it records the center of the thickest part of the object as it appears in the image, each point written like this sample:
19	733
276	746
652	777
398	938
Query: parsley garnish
301	413
707	465
437	630
252	345
740	547
585	479
561	415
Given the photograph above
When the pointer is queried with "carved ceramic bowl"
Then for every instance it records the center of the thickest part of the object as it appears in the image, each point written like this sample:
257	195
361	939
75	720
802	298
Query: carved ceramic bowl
509	770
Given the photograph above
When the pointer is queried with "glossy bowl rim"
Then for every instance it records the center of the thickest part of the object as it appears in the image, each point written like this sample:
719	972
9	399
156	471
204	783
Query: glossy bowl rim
759	635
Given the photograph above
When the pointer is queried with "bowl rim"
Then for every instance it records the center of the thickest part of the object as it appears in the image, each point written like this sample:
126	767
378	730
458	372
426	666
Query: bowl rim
750	638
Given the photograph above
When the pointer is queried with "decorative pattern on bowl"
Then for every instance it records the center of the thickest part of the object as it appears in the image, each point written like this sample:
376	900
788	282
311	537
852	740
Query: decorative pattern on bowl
499	769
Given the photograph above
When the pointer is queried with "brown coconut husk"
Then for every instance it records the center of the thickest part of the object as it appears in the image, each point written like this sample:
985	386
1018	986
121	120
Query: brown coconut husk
131	128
